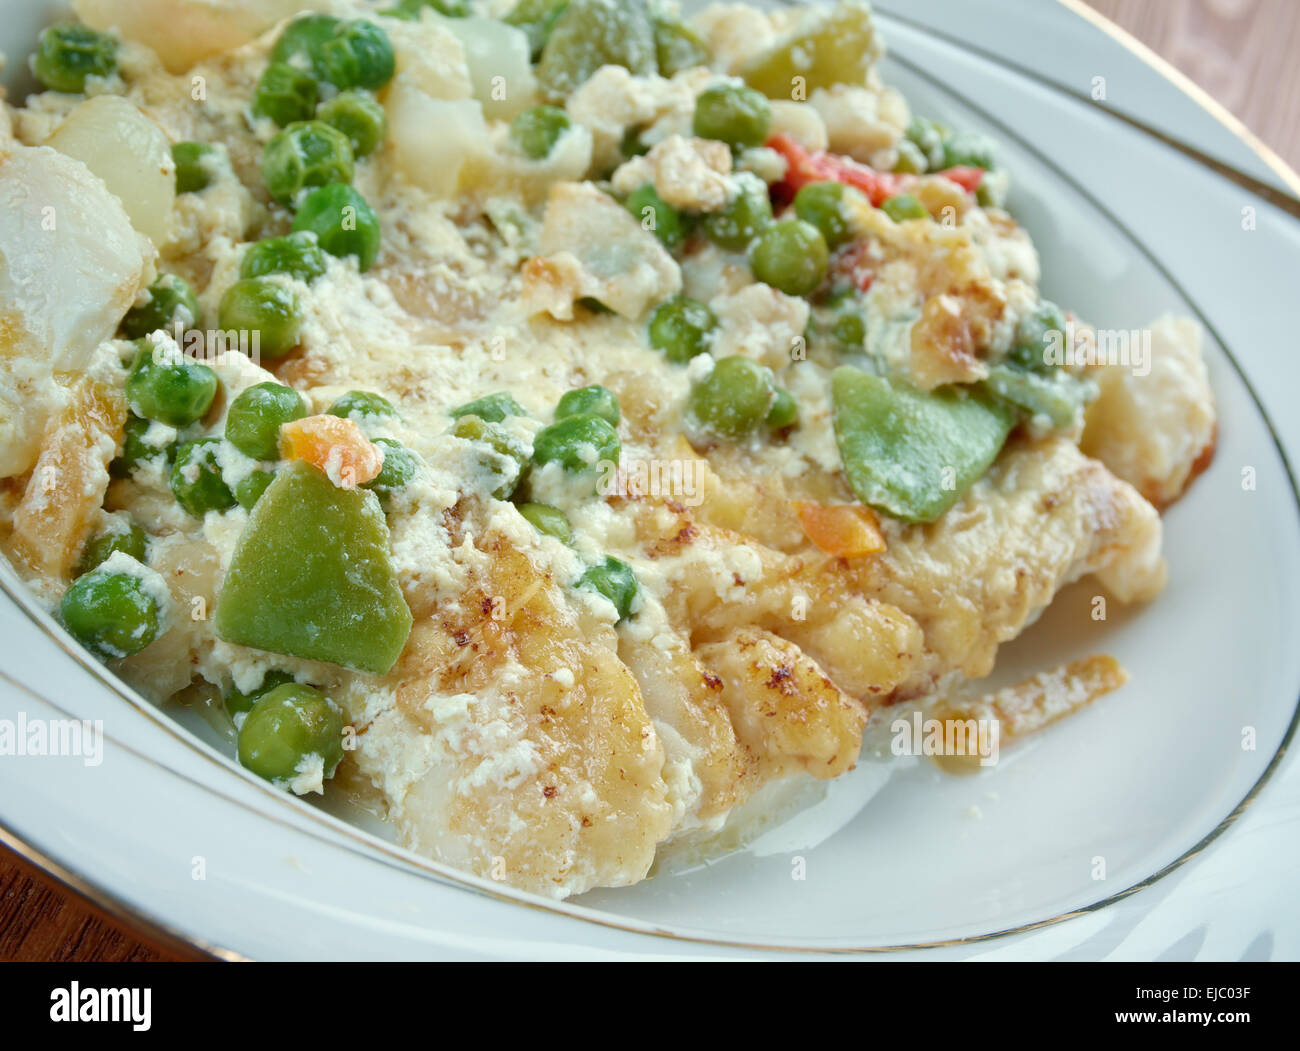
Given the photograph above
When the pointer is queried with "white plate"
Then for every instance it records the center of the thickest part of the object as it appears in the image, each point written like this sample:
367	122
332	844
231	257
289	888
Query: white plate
1127	790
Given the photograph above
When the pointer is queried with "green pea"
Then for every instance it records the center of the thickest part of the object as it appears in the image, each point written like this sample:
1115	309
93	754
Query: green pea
171	300
849	330
784	411
536	18
548	520
927	137
682	327
265	309
301	40
361	406
285	727
195	162
285	94
167	386
491	407
632	144
343	223
967	149
255	417
790	256
237	702
745	216
357	55
196	480
536	131
68	53
822	205
614	580
398	469
1039	332
734	114
594	401
135	449
249	489
911	159
297	255
126	537
733	399
902	207
657	215
359	116
508	459
677	47
111	613
305	154
577	443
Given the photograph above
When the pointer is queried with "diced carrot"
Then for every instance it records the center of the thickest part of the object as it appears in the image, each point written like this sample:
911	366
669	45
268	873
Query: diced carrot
336	446
803	167
842	530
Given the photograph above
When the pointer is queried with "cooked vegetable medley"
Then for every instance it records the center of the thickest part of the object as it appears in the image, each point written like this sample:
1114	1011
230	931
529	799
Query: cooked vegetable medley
562	418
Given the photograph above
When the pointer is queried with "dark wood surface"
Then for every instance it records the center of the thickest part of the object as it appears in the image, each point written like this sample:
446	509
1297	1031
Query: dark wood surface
1241	51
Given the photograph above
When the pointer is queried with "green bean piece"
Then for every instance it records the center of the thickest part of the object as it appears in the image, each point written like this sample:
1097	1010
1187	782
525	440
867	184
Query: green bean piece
678	47
831	46
536	18
909	453
589	34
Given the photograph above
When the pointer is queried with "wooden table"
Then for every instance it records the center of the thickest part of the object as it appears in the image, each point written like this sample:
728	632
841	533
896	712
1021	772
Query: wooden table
1241	51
